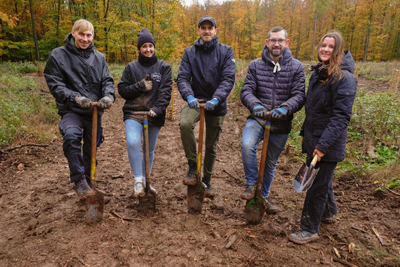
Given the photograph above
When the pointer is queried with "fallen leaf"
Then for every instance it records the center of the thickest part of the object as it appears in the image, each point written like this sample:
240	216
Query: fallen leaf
20	166
337	252
375	182
352	247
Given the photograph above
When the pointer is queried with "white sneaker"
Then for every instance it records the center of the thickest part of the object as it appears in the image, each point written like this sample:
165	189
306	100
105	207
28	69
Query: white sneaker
138	189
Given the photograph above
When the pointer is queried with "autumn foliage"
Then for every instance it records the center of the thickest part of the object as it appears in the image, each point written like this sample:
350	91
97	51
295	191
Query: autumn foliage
371	28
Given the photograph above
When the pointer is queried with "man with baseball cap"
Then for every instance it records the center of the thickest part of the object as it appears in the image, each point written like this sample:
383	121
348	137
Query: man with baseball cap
207	72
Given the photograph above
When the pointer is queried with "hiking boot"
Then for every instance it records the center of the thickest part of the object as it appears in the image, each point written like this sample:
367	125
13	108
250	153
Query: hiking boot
191	175
328	219
270	208
302	237
208	190
248	192
82	187
138	189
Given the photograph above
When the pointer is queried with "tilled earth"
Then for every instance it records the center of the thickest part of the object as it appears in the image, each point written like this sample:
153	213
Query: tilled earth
42	219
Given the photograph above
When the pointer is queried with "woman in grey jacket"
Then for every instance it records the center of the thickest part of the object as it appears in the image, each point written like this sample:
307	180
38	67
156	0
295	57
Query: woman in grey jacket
146	85
329	102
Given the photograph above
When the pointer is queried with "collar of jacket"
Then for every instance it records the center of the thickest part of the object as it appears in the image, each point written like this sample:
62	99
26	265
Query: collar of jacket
70	45
284	59
147	61
206	46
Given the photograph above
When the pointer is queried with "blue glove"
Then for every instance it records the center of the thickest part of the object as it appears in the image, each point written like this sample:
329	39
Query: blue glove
259	111
211	104
192	101
279	113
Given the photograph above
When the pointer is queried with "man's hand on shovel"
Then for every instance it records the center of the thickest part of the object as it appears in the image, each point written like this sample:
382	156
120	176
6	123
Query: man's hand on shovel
106	102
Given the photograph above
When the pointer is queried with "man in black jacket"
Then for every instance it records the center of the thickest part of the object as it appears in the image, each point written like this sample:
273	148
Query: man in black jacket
78	75
207	72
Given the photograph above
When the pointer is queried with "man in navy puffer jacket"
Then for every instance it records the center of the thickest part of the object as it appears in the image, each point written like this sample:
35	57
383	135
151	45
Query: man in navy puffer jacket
275	83
207	72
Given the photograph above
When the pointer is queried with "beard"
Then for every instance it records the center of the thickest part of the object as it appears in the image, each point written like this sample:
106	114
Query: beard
276	53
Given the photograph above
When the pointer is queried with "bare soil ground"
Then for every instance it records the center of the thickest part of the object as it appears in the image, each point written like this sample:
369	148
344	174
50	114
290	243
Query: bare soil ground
42	220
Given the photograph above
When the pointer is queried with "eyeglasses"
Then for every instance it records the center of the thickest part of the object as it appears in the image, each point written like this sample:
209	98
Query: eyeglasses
280	41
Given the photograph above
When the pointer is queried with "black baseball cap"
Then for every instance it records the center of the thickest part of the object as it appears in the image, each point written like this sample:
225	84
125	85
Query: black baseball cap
209	19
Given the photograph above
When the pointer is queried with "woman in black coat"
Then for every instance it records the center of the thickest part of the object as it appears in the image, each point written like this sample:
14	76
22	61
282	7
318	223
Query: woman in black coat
328	107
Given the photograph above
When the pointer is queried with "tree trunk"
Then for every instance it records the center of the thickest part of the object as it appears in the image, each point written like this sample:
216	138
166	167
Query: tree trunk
35	38
315	32
58	20
367	36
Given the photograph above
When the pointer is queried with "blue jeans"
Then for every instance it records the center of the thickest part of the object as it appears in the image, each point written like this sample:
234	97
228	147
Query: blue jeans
253	133
134	132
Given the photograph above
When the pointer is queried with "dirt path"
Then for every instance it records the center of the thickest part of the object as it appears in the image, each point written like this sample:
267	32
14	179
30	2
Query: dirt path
42	221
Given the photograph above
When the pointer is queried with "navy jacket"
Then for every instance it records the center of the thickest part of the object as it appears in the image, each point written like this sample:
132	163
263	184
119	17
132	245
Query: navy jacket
208	71
284	88
328	112
71	71
137	98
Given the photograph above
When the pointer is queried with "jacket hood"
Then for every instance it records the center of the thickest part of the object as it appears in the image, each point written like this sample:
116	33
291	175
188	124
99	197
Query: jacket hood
206	46
69	42
348	62
286	56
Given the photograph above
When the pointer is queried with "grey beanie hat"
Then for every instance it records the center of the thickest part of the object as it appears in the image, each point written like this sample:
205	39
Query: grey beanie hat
145	37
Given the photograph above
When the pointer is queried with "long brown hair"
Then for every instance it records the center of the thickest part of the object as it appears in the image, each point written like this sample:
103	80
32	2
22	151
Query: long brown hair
337	55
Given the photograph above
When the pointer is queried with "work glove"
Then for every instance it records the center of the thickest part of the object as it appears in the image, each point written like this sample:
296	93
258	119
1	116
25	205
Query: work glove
211	104
279	113
146	83
259	111
152	113
83	102
192	101
106	102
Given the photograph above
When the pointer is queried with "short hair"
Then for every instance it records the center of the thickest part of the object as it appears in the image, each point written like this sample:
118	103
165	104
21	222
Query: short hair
277	29
82	25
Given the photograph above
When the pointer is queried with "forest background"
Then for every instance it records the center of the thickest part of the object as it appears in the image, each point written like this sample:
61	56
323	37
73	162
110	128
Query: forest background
30	29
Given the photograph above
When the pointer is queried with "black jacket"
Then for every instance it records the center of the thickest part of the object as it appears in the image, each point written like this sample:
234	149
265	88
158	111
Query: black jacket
208	71
328	112
284	88
137	99
71	71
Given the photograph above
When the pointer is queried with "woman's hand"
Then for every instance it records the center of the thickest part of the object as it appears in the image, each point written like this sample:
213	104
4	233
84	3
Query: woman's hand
319	153
152	113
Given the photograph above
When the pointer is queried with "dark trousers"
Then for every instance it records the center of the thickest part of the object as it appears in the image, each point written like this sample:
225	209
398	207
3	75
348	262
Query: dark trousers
320	200
74	128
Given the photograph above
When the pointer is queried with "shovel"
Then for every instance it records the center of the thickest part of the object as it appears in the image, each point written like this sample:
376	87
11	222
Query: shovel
255	207
148	201
305	176
195	193
94	204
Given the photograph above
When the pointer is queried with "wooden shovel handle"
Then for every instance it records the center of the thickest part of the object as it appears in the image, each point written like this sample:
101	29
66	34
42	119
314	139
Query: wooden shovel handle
314	161
200	143
94	142
263	156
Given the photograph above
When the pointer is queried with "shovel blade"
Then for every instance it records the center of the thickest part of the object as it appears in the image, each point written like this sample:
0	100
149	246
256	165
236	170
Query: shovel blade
304	178
195	198
254	210
147	203
94	206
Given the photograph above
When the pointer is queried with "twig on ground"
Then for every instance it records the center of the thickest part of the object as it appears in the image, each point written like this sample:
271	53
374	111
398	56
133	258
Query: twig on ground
81	261
377	235
21	146
391	191
345	262
113	212
231	175
359	229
